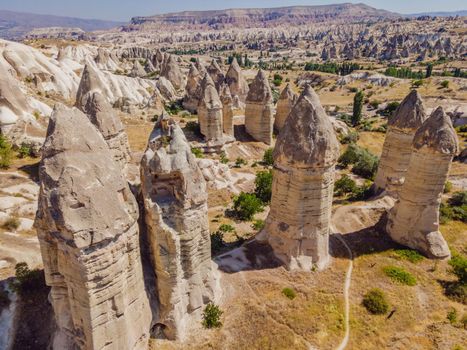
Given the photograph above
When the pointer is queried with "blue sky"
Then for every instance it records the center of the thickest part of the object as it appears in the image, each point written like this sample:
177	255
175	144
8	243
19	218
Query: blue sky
125	9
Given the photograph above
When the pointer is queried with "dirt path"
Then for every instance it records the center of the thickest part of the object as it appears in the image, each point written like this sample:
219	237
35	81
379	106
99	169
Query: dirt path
348	279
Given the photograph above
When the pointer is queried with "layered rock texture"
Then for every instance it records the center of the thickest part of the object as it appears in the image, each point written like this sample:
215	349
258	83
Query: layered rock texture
192	89
259	111
414	219
237	83
227	110
171	71
210	111
397	148
305	155
175	201
88	233
101	114
216	74
285	104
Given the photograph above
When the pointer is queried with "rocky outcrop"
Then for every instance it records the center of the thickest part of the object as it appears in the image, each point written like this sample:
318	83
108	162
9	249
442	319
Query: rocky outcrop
171	71
285	104
297	227
89	83
216	74
88	233
414	219
175	201
397	148
192	89
101	114
227	110
237	83
259	111
210	111
137	71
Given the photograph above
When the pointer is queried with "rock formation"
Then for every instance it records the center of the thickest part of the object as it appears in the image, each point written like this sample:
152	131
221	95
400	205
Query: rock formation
137	71
414	219
101	114
88	233
192	89
90	82
227	110
210	111
305	155
237	83
175	201
397	148
259	109
216	74
285	104
171	71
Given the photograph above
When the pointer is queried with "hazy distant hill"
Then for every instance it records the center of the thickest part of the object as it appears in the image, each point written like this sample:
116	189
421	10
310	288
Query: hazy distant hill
461	13
13	25
268	17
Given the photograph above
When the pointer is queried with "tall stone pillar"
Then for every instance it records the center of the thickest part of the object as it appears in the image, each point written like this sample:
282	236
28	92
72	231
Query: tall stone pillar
192	89
414	219
88	233
237	83
305	155
285	104
227	110
397	148
175	201
210	111
259	112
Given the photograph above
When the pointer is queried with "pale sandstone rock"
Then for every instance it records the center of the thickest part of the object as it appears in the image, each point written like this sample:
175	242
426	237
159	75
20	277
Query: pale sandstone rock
397	148
137	71
88	232
171	71
259	110
285	104
414	219
210	111
227	110
236	81
90	82
175	201
192	89
305	155
101	114
216	74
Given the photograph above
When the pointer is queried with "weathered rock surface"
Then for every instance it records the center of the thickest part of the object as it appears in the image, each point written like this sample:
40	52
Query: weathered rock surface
175	201
171	71
259	111
192	89
237	83
210	111
397	148
216	74
137	71
101	114
285	104
414	220
88	232
227	110
305	155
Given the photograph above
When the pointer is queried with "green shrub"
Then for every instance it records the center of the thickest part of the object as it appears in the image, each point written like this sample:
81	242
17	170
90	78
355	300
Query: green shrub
289	293
344	185
174	108
211	316
458	265
246	205
6	153
226	228
375	302
263	185
223	158
27	281
447	187
12	223
268	158
197	152
399	275
444	84
193	127
364	162
409	254
258	225
452	316
362	193
24	151
239	162
352	137
417	83
455	209
357	108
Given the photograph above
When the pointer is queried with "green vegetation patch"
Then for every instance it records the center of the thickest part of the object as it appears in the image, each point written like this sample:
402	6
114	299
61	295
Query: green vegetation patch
375	302
289	293
409	254
398	274
211	316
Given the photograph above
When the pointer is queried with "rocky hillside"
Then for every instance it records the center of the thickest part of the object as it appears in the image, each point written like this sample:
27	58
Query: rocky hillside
14	25
267	17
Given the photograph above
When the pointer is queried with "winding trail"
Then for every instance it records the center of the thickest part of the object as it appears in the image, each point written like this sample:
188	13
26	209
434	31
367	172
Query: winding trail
348	279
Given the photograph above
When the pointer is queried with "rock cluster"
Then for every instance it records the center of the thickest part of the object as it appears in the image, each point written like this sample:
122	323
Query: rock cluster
397	148
88	233
285	104
259	111
175	201
305	155
414	219
237	83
